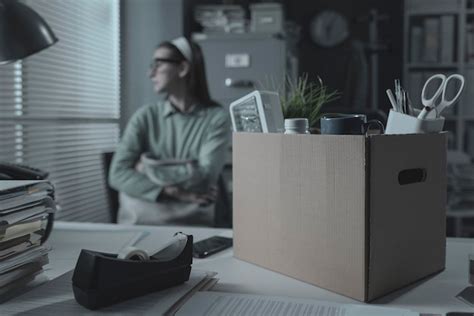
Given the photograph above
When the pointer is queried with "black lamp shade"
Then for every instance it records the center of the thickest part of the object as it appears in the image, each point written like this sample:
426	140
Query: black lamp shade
22	32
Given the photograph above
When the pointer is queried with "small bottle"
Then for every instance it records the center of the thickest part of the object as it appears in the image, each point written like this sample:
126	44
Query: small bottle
297	126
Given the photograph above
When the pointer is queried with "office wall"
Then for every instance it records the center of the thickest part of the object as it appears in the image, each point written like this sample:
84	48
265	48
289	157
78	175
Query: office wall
333	64
144	24
336	64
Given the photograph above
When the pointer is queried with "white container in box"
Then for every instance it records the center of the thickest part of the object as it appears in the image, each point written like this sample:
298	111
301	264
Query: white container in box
400	123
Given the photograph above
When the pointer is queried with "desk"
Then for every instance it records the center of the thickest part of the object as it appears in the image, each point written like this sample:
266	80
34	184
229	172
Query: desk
458	216
435	295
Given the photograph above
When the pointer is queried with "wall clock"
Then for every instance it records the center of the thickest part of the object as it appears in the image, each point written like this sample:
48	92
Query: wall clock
329	28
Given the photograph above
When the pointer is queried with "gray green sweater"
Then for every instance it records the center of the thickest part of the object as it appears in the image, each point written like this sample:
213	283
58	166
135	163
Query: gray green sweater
161	130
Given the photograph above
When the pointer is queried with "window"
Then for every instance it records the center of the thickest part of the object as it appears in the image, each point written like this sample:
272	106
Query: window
60	109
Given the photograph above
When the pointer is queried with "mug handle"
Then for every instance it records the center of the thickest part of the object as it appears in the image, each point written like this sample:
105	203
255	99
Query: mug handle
379	124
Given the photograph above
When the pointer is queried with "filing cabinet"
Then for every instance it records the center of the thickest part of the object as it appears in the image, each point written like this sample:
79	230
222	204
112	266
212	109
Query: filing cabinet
237	64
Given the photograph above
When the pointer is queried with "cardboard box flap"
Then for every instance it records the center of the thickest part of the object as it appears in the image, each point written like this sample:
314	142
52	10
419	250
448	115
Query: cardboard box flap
412	200
309	191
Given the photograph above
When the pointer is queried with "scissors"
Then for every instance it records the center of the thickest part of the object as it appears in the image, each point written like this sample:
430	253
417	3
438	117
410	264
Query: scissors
432	110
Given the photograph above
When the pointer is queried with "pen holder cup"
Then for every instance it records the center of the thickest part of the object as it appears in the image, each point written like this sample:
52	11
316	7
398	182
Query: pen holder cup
399	123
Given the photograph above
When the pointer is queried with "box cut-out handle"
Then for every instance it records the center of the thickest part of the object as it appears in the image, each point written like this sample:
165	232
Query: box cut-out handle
409	176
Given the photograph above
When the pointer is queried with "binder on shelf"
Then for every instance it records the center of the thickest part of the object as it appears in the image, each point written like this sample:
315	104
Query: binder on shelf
470	42
468	100
431	40
470	140
447	39
416	40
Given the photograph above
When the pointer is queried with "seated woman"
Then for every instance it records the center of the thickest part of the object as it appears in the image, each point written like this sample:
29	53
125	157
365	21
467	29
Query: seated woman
171	153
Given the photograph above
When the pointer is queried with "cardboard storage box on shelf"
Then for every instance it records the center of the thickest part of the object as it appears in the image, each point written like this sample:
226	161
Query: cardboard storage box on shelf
266	17
359	216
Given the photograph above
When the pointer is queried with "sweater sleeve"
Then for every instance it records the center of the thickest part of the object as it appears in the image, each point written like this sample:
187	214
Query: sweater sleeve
209	163
212	153
123	176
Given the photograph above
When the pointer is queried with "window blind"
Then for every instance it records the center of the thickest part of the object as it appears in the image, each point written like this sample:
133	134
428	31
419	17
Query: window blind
10	105
60	108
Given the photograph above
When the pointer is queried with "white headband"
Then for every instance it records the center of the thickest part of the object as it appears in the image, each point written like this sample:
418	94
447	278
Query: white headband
184	47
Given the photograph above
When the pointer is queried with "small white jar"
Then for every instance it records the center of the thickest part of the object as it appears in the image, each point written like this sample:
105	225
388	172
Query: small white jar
297	126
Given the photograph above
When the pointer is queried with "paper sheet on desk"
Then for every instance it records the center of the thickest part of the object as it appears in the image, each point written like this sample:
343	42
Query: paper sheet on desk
56	298
218	303
70	241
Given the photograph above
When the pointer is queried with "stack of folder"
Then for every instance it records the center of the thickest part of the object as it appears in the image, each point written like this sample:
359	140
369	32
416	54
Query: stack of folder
220	18
26	218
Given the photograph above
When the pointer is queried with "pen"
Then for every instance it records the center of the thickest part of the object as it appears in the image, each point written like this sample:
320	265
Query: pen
410	107
397	95
392	100
404	102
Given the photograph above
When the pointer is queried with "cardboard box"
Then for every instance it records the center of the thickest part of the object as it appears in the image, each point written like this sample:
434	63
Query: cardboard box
330	210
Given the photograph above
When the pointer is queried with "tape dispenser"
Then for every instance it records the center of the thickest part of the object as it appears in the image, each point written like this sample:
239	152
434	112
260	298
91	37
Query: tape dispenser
102	279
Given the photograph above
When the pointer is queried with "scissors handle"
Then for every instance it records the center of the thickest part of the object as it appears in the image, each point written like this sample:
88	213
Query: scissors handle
430	102
445	102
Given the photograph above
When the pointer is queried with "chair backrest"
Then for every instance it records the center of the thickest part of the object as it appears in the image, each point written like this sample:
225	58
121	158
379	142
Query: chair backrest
112	195
223	205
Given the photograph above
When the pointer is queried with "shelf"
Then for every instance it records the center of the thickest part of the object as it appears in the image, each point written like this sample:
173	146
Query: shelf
456	117
450	118
415	13
429	19
432	65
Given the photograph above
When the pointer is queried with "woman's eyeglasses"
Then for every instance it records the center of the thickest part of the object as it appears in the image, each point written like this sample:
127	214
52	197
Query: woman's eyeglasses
160	61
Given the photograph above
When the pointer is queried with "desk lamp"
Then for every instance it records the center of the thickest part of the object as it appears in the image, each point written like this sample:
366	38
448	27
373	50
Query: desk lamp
23	32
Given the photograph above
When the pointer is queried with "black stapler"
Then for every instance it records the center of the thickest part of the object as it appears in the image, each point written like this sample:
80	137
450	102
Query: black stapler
103	279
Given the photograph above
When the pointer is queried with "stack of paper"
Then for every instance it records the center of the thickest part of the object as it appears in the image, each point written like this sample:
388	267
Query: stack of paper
221	303
221	18
25	209
56	297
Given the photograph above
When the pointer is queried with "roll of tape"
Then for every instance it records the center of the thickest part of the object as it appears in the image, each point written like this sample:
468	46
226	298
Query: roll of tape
171	249
133	253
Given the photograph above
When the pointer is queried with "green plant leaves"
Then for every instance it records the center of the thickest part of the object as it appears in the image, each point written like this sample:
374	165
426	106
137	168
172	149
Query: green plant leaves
305	99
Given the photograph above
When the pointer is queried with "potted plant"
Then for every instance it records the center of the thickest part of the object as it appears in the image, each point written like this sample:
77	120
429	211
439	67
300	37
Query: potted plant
304	99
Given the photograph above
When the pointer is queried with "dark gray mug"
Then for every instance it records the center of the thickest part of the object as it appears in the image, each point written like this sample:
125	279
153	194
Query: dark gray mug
348	124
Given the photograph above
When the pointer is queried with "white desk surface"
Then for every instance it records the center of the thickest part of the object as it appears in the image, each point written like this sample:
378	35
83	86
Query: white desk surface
434	295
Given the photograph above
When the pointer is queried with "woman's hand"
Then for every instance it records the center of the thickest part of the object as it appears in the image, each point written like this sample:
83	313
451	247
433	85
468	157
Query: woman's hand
179	194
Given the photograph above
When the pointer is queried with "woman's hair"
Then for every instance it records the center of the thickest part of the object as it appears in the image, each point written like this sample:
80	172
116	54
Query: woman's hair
196	77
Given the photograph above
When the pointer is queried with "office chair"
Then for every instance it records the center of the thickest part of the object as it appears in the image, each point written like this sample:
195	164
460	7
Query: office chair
223	204
112	194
